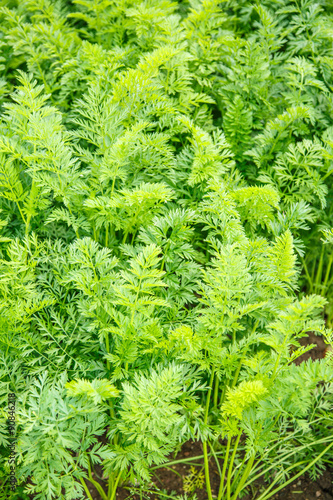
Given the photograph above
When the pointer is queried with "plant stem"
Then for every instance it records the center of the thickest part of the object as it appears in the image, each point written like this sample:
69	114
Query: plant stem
223	395
95	483
328	270
110	484
114	489
231	464
319	271
208	396
307	274
234	482
107	347
208	487
27	224
106	235
125	237
243	478
86	489
216	459
160	494
225	462
133	237
234	382
216	390
206	461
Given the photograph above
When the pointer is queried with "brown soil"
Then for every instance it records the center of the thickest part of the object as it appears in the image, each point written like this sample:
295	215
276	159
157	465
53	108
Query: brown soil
318	352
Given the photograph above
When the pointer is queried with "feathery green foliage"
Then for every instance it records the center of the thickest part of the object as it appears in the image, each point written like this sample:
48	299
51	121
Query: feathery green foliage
165	240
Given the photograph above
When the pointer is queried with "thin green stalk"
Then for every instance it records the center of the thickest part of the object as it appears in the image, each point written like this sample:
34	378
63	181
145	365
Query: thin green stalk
115	487
125	237
167	81
307	274
319	271
206	461
134	308
110	484
223	395
234	382
98	488
95	483
133	237
327	175
64	299
46	86
328	270
113	182
234	482
313	273
27	224
208	486
160	494
243	478
330	283
86	489
216	390
209	396
70	211
216	459
225	462
94	232
277	362
230	468
107	347
106	243
21	213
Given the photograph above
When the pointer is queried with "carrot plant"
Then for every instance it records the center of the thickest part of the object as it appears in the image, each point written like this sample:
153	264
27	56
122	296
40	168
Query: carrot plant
165	242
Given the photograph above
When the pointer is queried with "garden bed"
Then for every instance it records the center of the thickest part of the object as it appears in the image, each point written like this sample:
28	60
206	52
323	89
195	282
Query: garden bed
170	481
